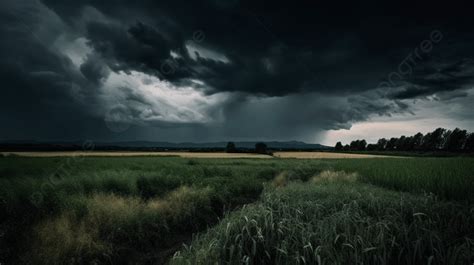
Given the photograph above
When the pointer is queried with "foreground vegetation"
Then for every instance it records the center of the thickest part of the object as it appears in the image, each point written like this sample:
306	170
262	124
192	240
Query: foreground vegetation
338	222
141	210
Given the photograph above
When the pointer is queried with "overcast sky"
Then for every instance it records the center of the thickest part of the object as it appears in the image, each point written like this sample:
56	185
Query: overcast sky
216	70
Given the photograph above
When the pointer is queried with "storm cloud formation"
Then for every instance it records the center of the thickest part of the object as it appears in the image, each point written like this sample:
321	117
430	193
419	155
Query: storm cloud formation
215	70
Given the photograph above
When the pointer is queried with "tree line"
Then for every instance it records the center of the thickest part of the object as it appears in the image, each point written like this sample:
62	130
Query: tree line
260	148
441	139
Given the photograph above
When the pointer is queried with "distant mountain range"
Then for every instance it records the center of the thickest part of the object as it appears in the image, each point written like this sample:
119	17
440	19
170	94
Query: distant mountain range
293	145
247	145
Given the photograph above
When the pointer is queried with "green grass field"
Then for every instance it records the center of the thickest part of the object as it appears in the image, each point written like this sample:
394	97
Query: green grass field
149	210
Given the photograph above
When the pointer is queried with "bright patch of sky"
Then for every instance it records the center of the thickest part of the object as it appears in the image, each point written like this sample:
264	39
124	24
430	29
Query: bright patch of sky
429	115
150	99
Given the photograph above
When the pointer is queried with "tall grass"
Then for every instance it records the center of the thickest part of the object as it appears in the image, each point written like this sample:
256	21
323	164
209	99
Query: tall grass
38	194
108	228
141	209
447	178
338	222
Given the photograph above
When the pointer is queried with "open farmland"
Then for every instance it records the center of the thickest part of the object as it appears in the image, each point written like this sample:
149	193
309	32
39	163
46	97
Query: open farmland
155	210
281	154
132	154
322	155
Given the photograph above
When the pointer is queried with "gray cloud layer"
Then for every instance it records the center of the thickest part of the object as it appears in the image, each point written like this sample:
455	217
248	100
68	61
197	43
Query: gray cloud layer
281	71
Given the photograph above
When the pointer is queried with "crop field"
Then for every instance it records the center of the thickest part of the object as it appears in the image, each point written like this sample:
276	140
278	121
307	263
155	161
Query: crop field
281	154
322	155
195	210
134	154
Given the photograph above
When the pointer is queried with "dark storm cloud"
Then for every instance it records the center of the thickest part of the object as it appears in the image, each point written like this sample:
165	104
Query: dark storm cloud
433	78
298	116
292	69
94	69
272	50
137	47
263	58
41	90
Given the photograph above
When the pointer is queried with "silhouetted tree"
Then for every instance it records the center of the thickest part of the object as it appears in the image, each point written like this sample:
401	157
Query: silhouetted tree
434	141
382	144
391	144
401	143
362	145
446	135
469	145
426	142
372	147
354	145
416	142
358	145
260	148
230	148
440	135
440	139
455	140
408	144
338	146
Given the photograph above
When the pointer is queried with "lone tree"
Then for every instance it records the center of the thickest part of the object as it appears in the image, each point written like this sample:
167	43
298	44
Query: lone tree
260	148
338	146
230	148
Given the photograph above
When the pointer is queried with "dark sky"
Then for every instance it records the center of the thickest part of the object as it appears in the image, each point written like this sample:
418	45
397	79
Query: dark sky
211	70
